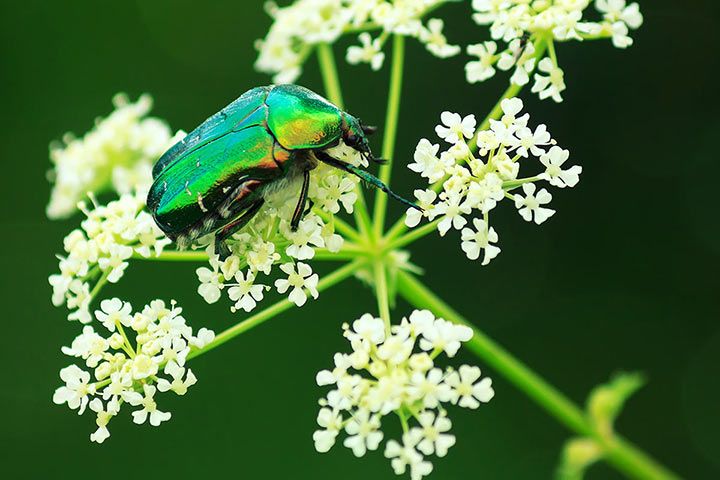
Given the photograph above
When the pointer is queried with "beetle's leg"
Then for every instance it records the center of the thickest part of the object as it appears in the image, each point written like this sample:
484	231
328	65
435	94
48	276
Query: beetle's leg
300	207
226	232
310	205
363	175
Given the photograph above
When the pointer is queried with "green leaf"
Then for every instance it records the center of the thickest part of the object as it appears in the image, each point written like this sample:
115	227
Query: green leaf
606	401
577	456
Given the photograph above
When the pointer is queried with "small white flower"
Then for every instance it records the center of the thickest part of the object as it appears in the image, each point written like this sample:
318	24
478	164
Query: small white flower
331	422
616	10
309	232
445	336
363	430
369	51
531	207
454	127
405	455
427	164
143	366
481	69
337	190
90	346
429	388
553	162
262	256
102	419
530	142
76	389
467	393
369	329
147	401
435	41
114	312
451	211
246	294
434	437
115	263
298	280
204	336
552	84
425	199
211	282
482	238
178	385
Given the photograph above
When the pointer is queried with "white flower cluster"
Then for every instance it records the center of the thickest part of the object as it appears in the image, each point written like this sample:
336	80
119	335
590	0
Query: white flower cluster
305	23
129	370
98	251
118	153
469	183
528	27
268	240
386	373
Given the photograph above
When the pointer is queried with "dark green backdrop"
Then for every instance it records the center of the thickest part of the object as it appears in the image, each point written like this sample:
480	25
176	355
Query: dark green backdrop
623	277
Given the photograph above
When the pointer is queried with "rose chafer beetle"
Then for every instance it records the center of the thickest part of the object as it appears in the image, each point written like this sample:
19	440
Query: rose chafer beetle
216	178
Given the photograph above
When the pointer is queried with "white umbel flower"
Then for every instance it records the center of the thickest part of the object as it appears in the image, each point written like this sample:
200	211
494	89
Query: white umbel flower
300	277
476	183
389	372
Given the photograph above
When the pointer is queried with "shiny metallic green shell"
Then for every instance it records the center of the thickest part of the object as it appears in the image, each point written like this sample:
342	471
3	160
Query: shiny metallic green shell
222	167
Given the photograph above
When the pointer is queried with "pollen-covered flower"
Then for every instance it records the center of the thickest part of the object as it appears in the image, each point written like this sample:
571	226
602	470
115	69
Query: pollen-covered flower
118	153
472	183
129	367
391	371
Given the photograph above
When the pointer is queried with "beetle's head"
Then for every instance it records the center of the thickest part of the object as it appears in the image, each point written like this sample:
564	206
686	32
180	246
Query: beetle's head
355	134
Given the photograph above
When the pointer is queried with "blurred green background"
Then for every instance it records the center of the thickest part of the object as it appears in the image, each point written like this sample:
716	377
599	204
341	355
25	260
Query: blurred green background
624	276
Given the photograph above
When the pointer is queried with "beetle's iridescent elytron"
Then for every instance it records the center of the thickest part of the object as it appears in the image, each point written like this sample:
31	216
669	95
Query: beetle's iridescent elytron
215	179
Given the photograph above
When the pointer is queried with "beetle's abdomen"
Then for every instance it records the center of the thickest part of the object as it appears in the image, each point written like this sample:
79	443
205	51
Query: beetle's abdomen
302	119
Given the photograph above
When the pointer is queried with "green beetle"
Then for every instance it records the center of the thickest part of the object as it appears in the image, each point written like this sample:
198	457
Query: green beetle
215	179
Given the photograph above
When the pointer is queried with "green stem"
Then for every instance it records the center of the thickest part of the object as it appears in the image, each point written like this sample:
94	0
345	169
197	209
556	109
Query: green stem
175	256
381	292
413	235
328	69
620	453
253	321
390	130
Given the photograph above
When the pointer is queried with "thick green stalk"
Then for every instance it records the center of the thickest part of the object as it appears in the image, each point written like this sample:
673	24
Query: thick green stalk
326	282
328	69
617	451
390	130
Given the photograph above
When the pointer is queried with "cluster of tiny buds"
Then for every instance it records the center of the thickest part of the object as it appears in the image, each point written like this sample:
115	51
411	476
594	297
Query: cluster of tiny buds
468	183
132	357
268	241
393	372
